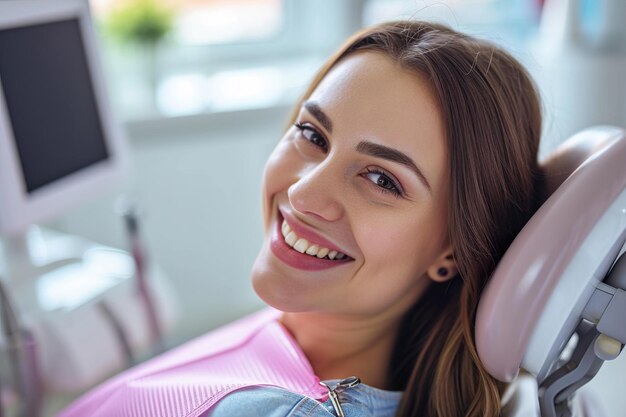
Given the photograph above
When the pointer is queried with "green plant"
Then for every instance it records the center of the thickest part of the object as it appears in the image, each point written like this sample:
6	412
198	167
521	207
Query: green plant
140	21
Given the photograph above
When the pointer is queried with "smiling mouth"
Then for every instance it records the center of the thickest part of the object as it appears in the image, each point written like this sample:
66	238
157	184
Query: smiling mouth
292	249
309	248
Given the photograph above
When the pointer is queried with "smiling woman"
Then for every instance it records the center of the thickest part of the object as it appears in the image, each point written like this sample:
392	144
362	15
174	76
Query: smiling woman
414	153
409	166
347	173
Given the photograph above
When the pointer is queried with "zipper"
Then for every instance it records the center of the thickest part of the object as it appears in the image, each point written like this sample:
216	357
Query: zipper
342	385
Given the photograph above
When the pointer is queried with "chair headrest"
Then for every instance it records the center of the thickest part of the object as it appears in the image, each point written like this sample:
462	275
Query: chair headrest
534	300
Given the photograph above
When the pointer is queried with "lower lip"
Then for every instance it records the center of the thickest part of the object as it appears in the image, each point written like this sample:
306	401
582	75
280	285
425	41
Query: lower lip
296	259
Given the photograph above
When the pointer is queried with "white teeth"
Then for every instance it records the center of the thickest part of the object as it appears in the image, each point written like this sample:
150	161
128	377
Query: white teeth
303	246
312	250
291	239
322	252
285	228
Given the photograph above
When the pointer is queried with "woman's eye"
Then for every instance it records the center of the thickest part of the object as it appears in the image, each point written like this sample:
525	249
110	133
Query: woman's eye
384	181
312	135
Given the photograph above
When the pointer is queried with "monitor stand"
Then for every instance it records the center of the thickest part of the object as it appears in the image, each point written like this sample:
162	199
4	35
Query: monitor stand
79	299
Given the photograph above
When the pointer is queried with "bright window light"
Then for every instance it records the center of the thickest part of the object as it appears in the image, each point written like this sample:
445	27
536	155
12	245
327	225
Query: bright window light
201	22
226	21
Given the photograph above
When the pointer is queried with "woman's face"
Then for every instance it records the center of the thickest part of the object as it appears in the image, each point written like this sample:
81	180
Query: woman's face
363	176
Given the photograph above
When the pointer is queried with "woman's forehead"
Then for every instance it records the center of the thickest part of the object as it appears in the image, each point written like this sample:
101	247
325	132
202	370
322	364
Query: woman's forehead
370	87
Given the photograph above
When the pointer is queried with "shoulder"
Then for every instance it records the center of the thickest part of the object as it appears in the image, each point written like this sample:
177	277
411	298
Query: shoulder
268	401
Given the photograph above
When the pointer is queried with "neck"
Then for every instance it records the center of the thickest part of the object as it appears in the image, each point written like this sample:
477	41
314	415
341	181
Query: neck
338	346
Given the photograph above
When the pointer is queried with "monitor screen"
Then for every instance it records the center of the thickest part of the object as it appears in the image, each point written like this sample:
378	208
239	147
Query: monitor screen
50	101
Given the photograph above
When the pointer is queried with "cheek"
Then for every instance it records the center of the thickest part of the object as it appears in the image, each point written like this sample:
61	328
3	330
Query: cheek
405	243
396	257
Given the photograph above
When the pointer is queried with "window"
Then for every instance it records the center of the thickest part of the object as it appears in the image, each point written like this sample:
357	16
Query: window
226	21
225	54
204	22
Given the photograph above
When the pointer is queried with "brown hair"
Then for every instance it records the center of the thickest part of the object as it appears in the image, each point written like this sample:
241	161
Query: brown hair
492	120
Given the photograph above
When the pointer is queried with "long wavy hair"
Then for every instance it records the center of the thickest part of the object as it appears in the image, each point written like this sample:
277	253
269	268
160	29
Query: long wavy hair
492	117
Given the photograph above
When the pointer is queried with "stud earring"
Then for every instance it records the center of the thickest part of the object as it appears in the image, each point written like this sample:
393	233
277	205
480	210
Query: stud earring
442	272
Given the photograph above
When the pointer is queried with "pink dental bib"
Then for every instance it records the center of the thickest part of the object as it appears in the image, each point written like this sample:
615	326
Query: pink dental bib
189	380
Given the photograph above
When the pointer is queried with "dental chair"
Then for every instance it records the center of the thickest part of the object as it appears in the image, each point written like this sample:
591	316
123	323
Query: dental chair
555	306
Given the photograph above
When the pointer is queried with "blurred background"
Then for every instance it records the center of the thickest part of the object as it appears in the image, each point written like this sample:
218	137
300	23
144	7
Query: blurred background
204	87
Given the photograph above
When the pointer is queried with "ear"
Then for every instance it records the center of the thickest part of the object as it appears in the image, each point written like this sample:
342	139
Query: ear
444	267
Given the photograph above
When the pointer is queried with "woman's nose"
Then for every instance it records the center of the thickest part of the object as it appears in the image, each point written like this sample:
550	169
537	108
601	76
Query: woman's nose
317	193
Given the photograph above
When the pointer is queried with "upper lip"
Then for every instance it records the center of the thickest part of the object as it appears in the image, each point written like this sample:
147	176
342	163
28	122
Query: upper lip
305	232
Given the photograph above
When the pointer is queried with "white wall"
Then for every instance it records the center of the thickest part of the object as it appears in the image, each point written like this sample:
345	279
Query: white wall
200	190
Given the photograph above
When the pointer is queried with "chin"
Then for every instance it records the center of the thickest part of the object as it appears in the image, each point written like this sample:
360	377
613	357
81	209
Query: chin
270	288
276	299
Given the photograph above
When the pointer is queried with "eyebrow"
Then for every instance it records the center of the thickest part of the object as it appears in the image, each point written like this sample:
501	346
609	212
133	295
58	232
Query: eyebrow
390	154
369	148
321	117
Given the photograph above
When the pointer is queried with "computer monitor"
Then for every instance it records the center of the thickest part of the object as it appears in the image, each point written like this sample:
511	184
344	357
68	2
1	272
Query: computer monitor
60	145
